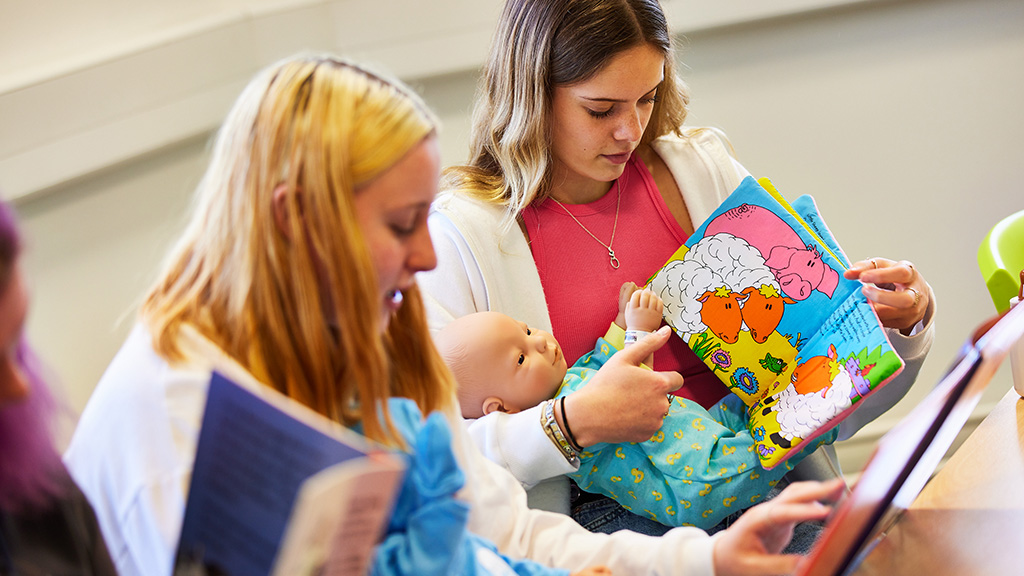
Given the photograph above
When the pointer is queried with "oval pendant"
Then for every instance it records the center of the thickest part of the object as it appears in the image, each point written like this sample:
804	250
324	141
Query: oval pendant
612	259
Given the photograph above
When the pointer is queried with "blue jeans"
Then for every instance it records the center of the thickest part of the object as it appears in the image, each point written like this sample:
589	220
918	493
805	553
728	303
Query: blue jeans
599	513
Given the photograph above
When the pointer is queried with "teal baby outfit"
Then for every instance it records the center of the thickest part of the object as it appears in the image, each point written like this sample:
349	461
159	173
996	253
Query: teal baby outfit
700	467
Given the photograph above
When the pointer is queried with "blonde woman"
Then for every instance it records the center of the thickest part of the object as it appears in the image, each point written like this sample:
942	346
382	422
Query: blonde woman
297	268
581	178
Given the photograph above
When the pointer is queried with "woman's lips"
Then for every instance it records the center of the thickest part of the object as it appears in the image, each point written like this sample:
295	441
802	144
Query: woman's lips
617	158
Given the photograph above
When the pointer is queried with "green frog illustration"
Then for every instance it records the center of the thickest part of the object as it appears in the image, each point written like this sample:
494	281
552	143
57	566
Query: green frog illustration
772	364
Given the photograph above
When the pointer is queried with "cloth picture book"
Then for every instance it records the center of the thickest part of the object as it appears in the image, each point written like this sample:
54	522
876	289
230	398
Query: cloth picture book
758	293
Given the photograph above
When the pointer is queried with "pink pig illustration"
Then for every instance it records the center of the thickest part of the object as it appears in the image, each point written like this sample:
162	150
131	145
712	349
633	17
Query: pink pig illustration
798	268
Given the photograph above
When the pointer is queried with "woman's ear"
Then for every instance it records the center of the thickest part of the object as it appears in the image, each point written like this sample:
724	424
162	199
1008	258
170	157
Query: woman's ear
493	404
282	213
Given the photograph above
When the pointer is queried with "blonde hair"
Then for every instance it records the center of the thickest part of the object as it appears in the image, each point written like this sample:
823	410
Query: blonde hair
538	45
303	316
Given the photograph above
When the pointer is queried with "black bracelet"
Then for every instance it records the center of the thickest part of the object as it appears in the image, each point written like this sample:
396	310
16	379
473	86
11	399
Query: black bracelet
568	431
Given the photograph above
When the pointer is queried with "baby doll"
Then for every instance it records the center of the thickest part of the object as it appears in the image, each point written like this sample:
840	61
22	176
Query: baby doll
700	467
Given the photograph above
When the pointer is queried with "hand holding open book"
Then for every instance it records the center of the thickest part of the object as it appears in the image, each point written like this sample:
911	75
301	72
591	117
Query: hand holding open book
757	292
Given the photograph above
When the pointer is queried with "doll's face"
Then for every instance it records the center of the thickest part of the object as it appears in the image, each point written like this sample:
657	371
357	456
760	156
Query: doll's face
521	365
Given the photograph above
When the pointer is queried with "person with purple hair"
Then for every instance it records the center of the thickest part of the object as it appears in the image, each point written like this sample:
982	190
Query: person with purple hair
46	524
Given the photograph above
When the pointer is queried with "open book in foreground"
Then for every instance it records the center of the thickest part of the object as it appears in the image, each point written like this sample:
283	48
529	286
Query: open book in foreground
758	293
279	489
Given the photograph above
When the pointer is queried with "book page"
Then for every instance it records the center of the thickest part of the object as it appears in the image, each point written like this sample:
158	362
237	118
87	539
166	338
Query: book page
338	518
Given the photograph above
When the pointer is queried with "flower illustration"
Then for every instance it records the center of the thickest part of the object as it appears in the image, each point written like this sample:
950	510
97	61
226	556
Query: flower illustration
759	433
744	380
721	359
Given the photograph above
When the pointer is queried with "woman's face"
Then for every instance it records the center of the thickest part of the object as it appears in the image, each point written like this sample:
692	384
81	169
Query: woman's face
596	124
13	309
392	210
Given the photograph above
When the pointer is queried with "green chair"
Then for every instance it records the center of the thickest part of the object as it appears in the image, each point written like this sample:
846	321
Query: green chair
1001	259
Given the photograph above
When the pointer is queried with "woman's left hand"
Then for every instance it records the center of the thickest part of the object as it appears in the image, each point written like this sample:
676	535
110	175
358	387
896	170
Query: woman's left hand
897	290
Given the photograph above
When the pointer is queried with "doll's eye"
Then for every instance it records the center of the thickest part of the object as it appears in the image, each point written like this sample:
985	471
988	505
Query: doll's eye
522	359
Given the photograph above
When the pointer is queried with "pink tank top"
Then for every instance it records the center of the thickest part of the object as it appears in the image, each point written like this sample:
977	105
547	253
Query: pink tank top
580	286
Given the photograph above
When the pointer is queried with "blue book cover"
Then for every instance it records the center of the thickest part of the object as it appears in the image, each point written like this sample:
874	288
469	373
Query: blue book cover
252	459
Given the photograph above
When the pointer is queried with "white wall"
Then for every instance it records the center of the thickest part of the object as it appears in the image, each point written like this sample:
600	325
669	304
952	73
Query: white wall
900	117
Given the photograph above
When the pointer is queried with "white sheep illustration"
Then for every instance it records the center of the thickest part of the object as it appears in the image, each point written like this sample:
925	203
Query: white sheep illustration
800	415
717	261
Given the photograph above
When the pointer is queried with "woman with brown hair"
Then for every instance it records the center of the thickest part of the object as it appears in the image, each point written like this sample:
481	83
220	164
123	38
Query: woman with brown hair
581	177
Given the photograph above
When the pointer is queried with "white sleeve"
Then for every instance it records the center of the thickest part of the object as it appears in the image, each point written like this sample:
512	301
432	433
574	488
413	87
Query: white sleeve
912	349
456	286
499	513
517	442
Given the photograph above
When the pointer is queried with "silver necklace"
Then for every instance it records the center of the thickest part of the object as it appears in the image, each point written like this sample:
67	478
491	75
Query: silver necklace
611	253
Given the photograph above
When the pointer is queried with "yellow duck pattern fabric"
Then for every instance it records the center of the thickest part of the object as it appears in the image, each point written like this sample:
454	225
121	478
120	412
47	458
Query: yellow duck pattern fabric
700	467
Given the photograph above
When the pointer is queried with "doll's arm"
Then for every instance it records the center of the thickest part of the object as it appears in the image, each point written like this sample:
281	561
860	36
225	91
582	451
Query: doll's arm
641	310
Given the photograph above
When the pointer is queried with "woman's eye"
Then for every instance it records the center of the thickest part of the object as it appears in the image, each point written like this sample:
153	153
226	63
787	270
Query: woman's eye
401	230
522	359
597	114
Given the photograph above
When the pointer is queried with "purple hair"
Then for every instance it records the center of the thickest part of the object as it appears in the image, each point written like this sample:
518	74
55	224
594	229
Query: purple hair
29	462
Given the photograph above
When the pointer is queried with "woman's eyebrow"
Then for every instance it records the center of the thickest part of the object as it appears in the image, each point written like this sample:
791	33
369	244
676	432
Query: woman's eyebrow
601	99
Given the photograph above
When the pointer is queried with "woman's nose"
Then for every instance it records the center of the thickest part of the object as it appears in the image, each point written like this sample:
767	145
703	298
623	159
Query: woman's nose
421	253
631	128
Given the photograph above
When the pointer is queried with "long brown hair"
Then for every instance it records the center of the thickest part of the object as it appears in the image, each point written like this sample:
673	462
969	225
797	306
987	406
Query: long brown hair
303	317
538	45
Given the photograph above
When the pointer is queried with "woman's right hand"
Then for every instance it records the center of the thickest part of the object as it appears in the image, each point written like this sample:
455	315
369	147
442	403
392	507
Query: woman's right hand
753	544
623	402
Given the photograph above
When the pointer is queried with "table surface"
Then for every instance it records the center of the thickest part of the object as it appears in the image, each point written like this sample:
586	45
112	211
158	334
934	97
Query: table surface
969	519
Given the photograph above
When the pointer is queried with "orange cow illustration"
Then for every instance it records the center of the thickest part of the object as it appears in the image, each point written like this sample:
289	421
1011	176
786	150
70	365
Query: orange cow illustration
762	310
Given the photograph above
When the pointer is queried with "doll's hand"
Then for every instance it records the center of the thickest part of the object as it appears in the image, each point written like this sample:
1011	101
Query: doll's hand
898	292
753	544
625	293
643	311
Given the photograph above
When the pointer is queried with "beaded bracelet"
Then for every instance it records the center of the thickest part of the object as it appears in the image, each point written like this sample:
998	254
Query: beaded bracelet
551	428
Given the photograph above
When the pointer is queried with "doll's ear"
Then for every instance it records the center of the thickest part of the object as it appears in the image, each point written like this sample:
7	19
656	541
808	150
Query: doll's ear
494	404
282	211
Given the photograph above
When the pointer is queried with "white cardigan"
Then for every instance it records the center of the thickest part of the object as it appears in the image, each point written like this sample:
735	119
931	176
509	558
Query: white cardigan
133	450
482	268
